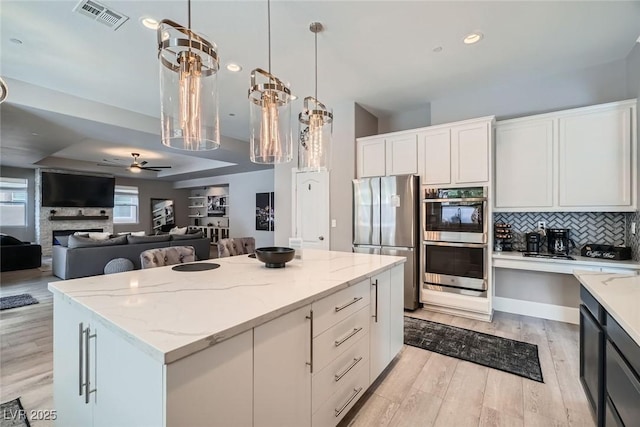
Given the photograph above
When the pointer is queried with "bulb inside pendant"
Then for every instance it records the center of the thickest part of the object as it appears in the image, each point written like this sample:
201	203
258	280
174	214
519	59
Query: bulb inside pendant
190	93
269	137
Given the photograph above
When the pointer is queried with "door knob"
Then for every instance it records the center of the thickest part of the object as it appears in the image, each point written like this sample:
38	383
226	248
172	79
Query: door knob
321	238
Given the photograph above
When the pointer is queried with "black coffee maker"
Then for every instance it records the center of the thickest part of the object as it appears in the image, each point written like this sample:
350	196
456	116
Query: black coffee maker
559	242
533	241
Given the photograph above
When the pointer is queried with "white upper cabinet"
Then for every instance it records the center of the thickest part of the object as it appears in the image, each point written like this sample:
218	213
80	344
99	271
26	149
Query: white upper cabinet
595	159
576	160
434	156
401	155
371	157
524	164
470	146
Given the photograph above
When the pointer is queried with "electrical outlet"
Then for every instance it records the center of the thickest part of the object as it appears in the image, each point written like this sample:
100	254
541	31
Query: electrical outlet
542	225
633	228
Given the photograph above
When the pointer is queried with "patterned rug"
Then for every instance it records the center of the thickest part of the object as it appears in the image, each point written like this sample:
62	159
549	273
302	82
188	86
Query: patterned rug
516	357
14	301
12	414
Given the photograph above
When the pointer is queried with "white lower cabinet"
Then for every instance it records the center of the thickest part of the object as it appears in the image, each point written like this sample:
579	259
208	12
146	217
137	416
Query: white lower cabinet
282	371
380	349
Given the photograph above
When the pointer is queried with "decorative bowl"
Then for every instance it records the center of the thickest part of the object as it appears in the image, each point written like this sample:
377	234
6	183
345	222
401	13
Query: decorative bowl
275	256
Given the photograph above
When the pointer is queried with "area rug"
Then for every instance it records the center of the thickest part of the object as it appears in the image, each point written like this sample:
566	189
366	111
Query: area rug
515	357
12	414
14	301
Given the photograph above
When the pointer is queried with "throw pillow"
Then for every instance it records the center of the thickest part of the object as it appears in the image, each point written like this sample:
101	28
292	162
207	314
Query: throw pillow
197	235
6	240
132	240
81	233
99	236
178	230
85	242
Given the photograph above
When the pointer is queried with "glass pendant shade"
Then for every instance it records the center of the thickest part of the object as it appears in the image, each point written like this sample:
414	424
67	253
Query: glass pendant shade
188	88
316	127
270	119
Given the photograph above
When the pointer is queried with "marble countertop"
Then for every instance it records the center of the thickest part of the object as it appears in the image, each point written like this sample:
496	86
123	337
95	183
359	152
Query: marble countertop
619	294
518	261
170	314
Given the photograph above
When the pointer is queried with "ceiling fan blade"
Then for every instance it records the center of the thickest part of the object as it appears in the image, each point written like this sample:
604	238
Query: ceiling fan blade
150	169
142	163
111	161
110	166
160	167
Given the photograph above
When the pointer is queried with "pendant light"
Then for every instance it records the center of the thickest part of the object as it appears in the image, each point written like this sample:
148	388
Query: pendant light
270	114
316	125
4	91
188	87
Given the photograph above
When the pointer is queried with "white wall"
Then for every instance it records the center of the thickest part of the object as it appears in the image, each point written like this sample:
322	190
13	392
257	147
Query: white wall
242	202
593	85
408	119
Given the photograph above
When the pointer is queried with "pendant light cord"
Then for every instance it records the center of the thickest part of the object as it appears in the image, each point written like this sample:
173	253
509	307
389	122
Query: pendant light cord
189	13
316	91
269	30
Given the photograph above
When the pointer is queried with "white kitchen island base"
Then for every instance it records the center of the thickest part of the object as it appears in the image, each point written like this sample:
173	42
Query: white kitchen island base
241	345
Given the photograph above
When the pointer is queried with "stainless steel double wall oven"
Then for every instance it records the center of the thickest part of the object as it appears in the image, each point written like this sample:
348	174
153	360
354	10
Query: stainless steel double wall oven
455	225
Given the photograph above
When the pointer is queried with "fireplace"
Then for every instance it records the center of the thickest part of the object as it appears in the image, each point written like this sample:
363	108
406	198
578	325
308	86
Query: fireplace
56	233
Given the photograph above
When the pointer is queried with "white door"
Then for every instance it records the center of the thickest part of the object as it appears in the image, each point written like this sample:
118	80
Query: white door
282	371
595	159
129	383
379	332
312	209
470	148
371	158
434	157
524	164
401	155
69	321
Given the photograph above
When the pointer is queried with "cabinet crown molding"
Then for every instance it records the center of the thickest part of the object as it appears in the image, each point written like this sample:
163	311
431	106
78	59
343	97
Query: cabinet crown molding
429	128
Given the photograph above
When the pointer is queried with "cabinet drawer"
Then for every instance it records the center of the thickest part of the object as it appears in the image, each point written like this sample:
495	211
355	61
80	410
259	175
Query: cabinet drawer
337	307
627	346
590	302
329	380
335	408
335	341
623	387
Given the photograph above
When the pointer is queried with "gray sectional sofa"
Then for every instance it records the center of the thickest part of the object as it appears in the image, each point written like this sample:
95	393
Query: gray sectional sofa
89	259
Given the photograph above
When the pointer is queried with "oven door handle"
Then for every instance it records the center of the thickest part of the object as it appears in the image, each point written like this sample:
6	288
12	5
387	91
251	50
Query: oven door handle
470	199
456	244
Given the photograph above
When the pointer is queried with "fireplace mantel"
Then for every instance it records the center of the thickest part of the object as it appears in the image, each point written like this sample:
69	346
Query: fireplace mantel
78	217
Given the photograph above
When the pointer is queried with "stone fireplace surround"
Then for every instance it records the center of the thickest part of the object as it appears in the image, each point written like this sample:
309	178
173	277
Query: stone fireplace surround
45	227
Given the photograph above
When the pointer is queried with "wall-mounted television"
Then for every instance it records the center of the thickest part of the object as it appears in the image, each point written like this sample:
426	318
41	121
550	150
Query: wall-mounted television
77	191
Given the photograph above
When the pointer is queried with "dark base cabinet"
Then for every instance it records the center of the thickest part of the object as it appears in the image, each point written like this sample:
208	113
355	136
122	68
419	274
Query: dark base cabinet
592	361
609	366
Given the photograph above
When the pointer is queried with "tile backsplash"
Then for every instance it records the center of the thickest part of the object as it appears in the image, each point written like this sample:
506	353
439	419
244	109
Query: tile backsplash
634	241
586	227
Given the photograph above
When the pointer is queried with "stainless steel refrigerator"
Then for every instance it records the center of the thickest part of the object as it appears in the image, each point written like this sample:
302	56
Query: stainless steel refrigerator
386	212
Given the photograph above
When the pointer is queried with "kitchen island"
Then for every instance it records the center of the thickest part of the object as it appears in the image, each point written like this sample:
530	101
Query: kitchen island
239	345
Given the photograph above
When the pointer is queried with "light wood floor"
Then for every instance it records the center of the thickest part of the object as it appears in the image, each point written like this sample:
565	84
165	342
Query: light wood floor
420	388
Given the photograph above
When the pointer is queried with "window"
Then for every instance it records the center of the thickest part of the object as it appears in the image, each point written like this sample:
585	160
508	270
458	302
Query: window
125	207
13	202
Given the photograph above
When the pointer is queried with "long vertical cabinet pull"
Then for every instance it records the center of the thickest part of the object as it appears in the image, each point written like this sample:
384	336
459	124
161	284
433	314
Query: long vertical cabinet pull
375	316
87	383
80	335
310	363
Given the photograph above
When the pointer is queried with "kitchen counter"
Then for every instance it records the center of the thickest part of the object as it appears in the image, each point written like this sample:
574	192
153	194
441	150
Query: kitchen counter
170	315
515	260
619	294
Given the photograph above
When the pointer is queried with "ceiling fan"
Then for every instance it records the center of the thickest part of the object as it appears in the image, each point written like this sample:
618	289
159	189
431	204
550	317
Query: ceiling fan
136	166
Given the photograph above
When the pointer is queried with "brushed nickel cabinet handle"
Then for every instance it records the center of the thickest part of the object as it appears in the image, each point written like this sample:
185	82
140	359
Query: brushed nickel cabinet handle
87	371
310	362
356	391
80	335
350	367
375	316
352	333
343	306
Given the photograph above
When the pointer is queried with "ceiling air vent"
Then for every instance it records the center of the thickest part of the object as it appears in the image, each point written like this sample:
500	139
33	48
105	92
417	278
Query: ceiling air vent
101	13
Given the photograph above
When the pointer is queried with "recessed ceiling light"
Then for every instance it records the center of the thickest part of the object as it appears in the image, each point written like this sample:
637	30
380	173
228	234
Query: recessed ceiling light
233	67
35	133
16	41
472	38
149	23
437	49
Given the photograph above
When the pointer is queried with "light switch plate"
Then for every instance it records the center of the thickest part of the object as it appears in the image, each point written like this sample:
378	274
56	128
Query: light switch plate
633	228
334	223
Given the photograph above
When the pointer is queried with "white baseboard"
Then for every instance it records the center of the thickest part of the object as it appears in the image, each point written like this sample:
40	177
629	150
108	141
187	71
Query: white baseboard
537	309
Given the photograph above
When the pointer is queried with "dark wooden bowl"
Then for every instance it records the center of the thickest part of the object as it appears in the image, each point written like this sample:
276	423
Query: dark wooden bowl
275	256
